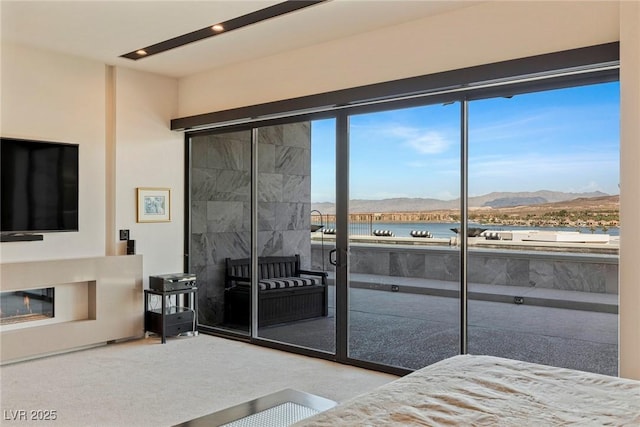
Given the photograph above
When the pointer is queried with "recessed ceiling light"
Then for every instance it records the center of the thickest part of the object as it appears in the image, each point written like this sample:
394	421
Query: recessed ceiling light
222	27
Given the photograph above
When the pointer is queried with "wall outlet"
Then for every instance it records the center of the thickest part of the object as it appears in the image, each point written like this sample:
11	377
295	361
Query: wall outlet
124	234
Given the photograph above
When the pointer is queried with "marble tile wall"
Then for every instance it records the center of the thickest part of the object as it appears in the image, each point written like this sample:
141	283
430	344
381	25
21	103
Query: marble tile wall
221	203
567	272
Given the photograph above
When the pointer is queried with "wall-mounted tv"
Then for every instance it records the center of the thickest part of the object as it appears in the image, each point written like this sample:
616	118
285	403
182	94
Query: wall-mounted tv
38	186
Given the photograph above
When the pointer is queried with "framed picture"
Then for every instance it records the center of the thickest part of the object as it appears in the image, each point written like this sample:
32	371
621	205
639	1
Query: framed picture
154	204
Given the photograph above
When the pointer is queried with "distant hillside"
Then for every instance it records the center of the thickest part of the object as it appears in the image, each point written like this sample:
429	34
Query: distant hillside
594	204
503	202
491	200
542	196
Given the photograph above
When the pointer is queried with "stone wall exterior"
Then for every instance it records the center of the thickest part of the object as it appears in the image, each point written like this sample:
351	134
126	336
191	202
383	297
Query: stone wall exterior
564	271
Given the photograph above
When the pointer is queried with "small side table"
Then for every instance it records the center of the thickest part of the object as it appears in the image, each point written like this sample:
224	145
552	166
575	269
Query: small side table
172	319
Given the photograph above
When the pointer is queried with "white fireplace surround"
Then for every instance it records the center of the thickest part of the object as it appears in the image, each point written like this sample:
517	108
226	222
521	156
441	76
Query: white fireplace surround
97	300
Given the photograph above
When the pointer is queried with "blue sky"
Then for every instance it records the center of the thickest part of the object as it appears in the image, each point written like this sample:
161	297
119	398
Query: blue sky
561	140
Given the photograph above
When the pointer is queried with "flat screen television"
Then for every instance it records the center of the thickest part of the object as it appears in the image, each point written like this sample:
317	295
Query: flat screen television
38	186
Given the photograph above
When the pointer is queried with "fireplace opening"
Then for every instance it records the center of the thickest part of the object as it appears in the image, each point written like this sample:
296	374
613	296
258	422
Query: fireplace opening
26	305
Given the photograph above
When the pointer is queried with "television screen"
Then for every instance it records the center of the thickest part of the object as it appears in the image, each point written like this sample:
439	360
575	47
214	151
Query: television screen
39	186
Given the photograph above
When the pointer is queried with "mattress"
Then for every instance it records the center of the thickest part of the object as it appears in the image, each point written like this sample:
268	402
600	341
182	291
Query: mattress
491	391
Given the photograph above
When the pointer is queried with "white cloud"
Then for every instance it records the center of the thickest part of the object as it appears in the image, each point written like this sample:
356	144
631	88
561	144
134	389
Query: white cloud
422	141
429	143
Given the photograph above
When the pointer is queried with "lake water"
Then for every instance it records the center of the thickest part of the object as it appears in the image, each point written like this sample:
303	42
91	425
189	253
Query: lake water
443	229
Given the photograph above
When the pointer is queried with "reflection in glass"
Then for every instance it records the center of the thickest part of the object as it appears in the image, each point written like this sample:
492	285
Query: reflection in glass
220	221
295	307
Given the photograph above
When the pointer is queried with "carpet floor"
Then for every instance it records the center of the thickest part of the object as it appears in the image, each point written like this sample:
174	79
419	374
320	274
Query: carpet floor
145	383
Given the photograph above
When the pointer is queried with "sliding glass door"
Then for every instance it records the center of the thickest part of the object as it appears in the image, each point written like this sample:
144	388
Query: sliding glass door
220	225
487	226
404	188
543	216
295	195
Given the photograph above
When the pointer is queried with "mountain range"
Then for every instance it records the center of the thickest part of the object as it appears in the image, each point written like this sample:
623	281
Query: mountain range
491	200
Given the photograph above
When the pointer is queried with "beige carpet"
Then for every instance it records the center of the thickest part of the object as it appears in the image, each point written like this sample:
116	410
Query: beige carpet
145	383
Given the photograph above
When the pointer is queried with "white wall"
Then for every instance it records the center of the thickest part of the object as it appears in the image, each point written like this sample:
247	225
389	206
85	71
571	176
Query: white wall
486	33
630	189
148	154
59	98
121	121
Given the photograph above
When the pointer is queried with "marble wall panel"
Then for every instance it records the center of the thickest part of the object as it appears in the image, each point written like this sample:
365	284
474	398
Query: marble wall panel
271	134
201	274
541	273
435	267
297	135
517	271
270	243
232	185
228	245
270	187
203	284
292	160
292	216
242	137
246	157
226	154
369	262
440	266
211	296
297	242
200	250
266	158
203	183
579	276
296	188
199	152
198	217
225	216
246	219
481	269
611	278
267	215
406	264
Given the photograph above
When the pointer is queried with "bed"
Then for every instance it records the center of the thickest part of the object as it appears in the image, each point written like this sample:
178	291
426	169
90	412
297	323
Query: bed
491	391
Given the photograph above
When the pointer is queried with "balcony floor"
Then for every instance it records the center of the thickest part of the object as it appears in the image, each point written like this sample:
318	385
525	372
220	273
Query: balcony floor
411	330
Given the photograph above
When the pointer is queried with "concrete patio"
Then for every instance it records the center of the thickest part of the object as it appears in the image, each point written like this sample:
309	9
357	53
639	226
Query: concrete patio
419	325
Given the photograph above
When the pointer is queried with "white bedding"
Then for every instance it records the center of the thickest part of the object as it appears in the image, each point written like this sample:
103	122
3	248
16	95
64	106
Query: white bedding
491	391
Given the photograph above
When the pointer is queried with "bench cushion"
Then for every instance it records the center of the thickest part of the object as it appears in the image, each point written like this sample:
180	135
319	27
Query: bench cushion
284	282
287	282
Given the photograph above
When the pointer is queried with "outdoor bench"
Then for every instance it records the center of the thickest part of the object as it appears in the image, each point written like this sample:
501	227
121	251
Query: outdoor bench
286	293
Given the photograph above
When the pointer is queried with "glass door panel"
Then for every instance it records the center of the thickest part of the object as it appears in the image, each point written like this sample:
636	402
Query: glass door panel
295	190
404	263
543	216
220	196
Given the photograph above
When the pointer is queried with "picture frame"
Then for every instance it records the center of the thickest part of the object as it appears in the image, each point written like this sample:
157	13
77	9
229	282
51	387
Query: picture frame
154	204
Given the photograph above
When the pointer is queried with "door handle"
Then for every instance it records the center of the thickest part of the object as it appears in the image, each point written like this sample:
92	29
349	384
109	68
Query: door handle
332	257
